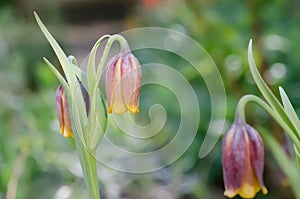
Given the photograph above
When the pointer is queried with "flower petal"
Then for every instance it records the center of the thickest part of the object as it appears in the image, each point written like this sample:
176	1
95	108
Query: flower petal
234	158
118	105
59	108
131	81
250	185
109	81
67	132
257	156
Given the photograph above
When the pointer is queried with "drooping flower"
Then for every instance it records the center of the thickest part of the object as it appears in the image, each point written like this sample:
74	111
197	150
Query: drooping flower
243	161
62	109
123	81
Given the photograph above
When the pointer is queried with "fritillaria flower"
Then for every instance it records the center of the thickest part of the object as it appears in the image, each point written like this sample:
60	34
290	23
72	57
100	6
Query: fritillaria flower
62	109
123	81
243	161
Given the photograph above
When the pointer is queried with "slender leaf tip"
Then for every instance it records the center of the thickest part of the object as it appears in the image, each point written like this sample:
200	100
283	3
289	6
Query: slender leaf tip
36	16
250	48
280	89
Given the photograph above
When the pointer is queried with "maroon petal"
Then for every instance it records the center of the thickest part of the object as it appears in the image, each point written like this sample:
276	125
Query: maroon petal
110	82
63	114
131	80
66	117
59	108
234	158
257	155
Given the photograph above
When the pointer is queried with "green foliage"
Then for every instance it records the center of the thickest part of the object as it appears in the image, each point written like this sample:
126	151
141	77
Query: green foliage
223	28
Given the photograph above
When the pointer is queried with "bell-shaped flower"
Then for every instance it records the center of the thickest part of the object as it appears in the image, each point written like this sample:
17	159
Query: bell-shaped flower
62	109
243	161
123	81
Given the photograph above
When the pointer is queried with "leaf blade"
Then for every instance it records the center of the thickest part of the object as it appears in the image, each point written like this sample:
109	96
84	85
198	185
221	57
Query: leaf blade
266	92
68	70
290	111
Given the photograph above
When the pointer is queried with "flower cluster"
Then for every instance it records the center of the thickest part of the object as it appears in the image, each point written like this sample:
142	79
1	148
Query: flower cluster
123	81
86	119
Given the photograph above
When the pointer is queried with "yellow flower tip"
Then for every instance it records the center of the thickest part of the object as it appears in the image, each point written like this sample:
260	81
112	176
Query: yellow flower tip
248	190
230	193
118	112
109	109
264	190
68	133
133	110
61	130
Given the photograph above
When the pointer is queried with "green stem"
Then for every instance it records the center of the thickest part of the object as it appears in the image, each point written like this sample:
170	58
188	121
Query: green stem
90	171
88	164
91	70
124	49
87	156
240	115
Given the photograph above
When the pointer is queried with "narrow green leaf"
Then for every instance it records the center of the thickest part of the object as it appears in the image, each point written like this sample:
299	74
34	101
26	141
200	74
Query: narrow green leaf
101	121
102	113
297	155
290	111
266	92
96	136
91	68
77	124
68	69
289	166
79	73
73	60
60	78
80	105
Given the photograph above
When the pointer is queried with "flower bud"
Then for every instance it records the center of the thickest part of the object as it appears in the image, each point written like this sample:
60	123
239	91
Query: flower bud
62	109
243	161
123	81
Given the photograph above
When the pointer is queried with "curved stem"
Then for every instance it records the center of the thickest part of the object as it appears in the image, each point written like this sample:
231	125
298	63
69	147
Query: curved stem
91	62
240	115
124	49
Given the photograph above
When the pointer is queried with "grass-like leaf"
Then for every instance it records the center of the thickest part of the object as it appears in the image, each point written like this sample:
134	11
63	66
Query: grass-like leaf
101	121
297	155
77	124
68	69
78	99
266	92
91	67
288	165
79	73
60	78
290	111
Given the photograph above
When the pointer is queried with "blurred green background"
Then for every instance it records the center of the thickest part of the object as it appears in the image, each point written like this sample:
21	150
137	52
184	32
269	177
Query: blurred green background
36	162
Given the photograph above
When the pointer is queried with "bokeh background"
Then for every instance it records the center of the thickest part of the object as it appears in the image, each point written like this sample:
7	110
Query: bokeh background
36	162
